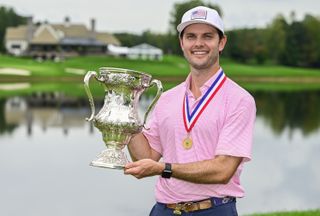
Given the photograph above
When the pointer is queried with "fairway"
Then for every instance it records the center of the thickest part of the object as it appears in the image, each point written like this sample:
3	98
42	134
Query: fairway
171	70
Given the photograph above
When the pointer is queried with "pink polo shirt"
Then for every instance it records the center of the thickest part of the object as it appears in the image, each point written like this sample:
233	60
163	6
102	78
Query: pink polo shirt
224	128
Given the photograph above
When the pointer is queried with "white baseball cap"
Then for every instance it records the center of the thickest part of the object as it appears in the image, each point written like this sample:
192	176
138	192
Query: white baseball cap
201	14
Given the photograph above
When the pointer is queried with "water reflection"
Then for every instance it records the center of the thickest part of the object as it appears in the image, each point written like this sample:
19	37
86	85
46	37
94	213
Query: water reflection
48	110
292	110
281	110
46	146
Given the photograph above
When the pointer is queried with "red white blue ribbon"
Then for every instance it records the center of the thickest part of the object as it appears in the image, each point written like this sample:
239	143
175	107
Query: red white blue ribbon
190	119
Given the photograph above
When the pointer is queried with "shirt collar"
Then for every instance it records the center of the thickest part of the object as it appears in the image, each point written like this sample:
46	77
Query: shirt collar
205	86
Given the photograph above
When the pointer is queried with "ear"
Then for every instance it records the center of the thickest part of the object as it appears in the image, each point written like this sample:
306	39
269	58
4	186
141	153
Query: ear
181	43
222	43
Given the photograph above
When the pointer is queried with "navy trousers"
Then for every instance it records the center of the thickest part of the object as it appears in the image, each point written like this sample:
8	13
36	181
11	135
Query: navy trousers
228	209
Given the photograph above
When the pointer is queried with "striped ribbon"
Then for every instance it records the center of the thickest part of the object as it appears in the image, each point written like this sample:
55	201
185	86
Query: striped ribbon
191	119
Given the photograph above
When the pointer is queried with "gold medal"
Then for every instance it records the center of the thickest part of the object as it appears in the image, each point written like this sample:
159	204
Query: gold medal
190	118
187	143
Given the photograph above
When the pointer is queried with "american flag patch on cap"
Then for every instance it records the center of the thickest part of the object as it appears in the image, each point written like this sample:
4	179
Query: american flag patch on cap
199	14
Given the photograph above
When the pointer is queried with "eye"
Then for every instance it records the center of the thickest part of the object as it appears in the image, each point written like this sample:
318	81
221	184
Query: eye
190	36
208	36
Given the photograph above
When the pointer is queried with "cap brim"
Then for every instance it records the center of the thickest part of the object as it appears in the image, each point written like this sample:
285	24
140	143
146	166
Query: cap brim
182	26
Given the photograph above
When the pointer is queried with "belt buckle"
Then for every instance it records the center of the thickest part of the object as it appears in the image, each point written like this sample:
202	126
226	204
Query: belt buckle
186	205
181	207
177	209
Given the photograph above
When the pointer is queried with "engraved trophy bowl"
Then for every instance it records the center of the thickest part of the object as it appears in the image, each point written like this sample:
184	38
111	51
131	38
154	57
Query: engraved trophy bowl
118	118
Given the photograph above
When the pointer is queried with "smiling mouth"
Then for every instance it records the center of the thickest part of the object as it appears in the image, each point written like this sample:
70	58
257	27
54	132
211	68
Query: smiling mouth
199	52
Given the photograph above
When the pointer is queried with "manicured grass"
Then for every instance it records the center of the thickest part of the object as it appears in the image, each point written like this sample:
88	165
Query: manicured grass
47	68
171	70
71	89
293	213
237	69
170	66
279	86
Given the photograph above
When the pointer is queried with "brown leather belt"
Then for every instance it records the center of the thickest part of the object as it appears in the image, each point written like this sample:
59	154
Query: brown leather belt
190	206
199	205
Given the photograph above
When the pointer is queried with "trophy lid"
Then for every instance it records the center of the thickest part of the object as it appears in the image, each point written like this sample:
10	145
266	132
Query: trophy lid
128	77
107	70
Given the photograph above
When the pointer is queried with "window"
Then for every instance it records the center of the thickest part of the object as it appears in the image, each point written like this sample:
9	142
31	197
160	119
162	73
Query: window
15	46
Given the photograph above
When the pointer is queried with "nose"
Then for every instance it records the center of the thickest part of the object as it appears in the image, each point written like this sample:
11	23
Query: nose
199	42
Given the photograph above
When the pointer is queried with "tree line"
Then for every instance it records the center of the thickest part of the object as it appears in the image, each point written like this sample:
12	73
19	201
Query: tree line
286	42
295	43
292	43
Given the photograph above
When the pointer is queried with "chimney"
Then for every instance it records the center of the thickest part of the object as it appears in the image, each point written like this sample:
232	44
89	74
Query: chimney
67	21
29	28
93	25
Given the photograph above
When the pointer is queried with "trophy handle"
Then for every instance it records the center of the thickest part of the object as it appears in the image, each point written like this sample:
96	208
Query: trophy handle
155	99
87	88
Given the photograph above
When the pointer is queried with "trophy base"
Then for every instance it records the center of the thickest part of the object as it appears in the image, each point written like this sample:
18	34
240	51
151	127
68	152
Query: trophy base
110	158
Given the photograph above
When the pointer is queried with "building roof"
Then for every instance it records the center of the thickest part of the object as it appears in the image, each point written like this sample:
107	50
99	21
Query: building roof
73	30
16	33
107	38
45	34
145	46
145	49
61	33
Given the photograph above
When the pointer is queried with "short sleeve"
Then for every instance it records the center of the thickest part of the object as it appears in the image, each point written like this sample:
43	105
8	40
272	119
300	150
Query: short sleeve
151	131
236	135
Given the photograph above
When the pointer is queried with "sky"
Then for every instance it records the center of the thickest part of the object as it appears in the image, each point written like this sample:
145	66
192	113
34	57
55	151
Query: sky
137	16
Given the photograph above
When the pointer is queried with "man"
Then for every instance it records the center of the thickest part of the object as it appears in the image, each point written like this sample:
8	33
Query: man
202	129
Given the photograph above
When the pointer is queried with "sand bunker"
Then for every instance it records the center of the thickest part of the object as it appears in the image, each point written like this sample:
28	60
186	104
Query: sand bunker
75	71
14	71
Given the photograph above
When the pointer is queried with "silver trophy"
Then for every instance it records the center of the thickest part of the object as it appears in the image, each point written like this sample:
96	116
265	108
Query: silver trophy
118	119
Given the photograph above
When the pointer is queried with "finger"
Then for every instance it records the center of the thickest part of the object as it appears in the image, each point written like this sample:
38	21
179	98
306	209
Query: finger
130	165
132	171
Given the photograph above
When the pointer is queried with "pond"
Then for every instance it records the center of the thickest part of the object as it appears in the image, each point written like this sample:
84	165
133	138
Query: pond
46	147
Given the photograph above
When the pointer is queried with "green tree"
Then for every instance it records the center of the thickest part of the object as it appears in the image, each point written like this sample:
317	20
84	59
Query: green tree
276	36
246	45
128	39
296	37
8	18
232	48
297	44
311	49
163	41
